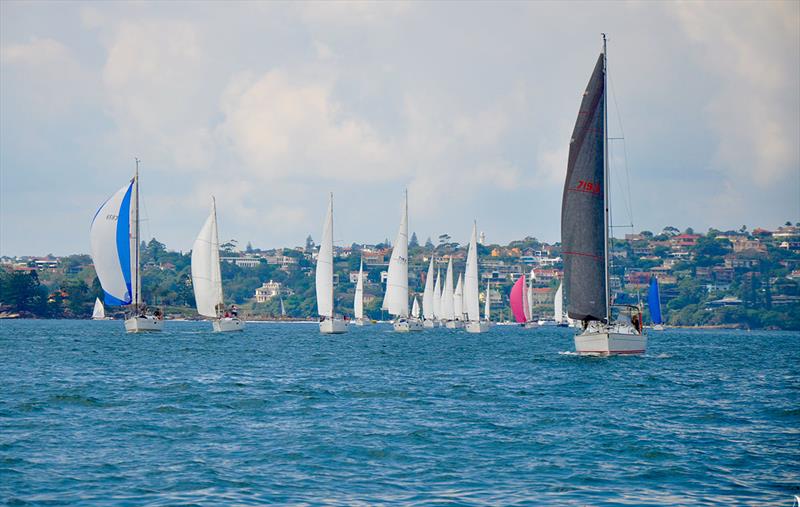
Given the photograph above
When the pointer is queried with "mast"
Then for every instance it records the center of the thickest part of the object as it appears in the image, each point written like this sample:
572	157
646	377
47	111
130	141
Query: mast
137	282
221	304
333	302
606	200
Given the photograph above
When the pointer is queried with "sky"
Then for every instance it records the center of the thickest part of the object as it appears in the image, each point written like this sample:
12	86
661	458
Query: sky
270	106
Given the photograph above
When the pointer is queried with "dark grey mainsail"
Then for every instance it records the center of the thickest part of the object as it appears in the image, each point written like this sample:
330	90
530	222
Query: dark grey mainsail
582	214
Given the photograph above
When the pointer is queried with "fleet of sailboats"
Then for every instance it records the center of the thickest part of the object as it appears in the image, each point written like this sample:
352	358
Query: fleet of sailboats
585	232
207	277
114	236
451	301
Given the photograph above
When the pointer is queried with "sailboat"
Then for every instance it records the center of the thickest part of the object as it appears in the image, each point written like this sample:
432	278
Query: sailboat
428	299
99	312
556	319
415	312
283	308
471	288
437	299
114	235
585	232
448	299
329	323
358	301
519	302
487	304
207	277
458	300
395	301
654	303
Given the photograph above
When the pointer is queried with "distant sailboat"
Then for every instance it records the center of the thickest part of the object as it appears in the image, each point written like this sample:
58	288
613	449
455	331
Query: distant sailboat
114	237
283	308
558	306
448	299
654	303
437	298
358	301
415	309
520	305
585	231
329	322
487	304
99	312
458	300
428	299
471	290
395	301
207	277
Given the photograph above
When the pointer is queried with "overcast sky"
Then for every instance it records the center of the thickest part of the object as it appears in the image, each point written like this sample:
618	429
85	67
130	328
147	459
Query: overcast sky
270	106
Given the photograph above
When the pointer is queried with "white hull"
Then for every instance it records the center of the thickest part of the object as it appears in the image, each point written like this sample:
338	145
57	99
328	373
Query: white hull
407	325
227	324
102	318
548	323
601	340
530	325
429	324
478	326
143	324
658	327
332	326
362	322
454	324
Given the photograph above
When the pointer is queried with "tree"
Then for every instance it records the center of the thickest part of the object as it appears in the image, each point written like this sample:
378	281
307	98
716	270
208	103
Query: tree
671	231
309	244
429	244
249	247
413	242
646	234
689	230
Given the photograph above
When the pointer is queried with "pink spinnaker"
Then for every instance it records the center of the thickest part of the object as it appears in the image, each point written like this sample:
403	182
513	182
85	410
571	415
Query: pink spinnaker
518	297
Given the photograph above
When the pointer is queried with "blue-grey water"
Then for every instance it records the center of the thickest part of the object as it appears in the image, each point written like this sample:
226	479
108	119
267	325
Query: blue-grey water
281	415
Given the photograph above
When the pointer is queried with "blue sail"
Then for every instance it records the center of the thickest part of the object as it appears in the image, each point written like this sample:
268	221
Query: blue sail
111	247
654	301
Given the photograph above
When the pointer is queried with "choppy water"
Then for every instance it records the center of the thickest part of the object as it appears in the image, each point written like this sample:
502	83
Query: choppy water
281	415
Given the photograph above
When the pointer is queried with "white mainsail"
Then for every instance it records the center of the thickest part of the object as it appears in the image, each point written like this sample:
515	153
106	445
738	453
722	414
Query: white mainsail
206	275
448	311
395	301
99	313
558	305
415	308
529	302
324	275
487	304
437	295
458	299
427	295
471	282
113	246
358	303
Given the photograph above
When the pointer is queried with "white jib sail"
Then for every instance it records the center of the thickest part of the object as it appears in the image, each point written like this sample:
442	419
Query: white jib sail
448	311
558	305
415	308
99	312
437	296
110	236
395	300
427	294
206	275
358	303
487	304
472	305
458	299
324	275
526	297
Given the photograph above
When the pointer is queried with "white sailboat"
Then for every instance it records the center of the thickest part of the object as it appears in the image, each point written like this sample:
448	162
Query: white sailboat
329	323
415	312
114	235
471	289
458	299
428	307
555	320
207	277
448	300
283	308
585	232
395	300
487	304
358	301
99	312
437	299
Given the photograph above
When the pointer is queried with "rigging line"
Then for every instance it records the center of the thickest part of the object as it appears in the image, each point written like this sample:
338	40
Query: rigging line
624	149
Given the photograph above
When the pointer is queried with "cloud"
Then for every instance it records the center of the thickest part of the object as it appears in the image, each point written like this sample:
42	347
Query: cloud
755	109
